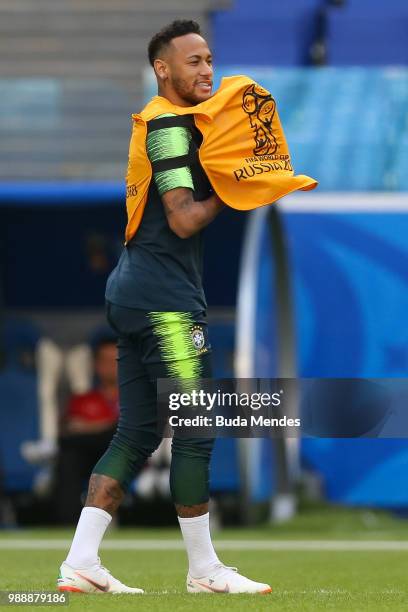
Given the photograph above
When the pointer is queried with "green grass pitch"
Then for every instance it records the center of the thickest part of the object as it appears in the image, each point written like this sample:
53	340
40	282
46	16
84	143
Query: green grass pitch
301	580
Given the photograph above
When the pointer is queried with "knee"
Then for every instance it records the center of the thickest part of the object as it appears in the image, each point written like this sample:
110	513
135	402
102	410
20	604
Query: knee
136	443
199	448
126	456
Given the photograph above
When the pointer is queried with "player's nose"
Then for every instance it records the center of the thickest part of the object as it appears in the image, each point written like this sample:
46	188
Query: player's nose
206	70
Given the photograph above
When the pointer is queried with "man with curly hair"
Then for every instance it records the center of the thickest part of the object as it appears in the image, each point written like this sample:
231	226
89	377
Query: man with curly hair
156	304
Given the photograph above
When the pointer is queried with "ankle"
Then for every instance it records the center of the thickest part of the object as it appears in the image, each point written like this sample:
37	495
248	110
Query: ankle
201	571
90	530
194	511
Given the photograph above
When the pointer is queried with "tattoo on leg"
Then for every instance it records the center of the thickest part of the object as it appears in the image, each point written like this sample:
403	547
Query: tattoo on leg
191	511
105	493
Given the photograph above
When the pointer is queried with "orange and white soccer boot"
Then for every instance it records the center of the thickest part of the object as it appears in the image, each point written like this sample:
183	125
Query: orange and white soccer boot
95	579
224	579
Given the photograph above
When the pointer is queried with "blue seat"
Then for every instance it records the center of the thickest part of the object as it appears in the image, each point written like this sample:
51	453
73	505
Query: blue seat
368	33
270	34
19	339
18	402
401	165
18	423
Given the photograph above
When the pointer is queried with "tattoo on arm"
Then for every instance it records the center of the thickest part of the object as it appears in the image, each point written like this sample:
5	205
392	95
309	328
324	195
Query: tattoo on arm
187	216
175	204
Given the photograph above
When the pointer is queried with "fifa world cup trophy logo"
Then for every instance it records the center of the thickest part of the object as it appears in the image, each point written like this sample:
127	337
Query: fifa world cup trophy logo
260	108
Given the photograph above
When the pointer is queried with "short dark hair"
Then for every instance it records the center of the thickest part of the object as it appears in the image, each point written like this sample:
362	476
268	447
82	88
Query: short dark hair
180	27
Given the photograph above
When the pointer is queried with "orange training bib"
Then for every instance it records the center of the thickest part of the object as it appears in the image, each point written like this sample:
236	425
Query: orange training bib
244	151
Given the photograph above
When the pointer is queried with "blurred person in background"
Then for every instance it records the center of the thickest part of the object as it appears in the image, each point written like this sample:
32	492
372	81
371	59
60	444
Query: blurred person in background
156	304
87	427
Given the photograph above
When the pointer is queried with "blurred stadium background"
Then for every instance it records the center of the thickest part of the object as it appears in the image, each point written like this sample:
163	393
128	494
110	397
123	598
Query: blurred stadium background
314	287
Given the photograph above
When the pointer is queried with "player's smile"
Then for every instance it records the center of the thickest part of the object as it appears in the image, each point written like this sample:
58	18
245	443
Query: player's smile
205	85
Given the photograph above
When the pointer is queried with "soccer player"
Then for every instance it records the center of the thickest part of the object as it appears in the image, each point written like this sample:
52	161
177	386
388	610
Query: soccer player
156	304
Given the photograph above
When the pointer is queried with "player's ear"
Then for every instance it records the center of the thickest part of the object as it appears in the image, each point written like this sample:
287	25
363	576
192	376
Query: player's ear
161	70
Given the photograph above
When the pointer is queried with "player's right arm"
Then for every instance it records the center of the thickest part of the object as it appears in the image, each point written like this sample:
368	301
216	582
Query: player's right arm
185	215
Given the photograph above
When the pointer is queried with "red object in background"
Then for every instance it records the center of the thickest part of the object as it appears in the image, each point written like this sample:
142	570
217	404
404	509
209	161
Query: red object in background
92	407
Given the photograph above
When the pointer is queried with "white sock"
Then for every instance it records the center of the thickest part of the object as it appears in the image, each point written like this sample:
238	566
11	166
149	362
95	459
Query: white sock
90	530
200	551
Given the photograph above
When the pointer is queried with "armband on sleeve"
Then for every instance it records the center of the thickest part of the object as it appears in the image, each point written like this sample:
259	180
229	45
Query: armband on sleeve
168	148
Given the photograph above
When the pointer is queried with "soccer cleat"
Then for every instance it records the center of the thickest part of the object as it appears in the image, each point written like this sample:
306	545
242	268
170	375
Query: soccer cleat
95	579
225	579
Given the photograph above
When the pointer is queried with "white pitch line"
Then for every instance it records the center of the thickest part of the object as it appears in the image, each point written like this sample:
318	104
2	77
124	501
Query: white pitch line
273	545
